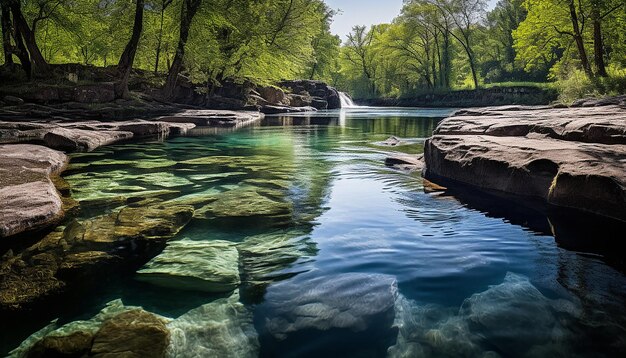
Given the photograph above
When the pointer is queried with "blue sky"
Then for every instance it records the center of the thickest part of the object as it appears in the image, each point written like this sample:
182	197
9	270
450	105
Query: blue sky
366	12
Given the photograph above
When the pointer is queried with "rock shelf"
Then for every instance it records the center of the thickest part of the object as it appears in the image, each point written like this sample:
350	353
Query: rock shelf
566	157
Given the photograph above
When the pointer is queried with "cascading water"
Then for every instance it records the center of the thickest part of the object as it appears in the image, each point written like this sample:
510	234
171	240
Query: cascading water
346	101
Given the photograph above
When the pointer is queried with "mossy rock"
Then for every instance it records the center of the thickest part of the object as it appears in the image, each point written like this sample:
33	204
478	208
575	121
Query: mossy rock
210	266
246	202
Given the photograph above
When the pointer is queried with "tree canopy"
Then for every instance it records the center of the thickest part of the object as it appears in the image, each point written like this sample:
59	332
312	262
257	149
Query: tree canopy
431	45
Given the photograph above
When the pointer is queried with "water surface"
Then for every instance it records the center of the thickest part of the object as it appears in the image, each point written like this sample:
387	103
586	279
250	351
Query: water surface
475	276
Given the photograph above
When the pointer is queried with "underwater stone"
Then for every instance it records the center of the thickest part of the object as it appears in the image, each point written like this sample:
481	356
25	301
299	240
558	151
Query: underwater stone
76	337
164	179
246	202
154	163
336	313
263	257
503	314
432	331
76	344
198	199
222	328
159	221
211	266
131	334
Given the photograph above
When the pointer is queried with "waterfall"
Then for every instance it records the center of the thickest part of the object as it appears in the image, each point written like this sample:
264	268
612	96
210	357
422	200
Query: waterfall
346	101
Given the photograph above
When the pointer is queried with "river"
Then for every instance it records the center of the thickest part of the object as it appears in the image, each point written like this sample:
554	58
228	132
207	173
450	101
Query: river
343	256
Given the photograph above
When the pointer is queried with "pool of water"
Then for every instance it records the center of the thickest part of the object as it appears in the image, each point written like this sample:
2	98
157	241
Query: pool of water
342	256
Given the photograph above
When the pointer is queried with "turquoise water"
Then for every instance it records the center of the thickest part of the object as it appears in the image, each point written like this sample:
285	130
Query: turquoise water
342	256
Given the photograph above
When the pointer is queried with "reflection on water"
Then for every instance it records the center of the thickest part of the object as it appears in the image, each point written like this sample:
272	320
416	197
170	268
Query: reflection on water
299	229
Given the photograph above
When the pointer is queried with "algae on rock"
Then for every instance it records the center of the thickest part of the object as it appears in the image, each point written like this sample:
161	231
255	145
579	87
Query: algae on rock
211	266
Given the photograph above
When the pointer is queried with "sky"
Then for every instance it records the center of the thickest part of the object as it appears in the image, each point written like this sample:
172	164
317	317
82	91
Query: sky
366	12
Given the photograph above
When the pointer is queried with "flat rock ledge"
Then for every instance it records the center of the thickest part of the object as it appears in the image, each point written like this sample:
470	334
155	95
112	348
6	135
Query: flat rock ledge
28	197
568	157
74	136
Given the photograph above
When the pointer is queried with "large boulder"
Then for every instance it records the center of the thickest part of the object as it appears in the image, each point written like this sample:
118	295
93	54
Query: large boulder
274	95
566	157
336	315
29	198
317	94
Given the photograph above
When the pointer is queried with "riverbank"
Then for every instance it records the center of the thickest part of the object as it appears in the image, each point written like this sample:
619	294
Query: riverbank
565	157
496	96
88	92
35	165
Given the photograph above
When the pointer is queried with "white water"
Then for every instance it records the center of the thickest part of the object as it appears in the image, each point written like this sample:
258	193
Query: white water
346	101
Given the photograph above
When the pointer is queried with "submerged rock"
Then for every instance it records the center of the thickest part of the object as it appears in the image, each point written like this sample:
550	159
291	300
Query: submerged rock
433	331
512	319
338	315
157	221
392	142
211	266
247	202
117	330
222	328
134	333
405	162
263	257
28	197
516	316
86	249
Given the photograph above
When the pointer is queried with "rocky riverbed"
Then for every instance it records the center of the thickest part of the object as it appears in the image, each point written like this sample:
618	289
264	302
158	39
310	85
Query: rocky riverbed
565	157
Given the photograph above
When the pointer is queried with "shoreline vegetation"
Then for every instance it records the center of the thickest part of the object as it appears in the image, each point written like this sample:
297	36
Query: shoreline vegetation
209	53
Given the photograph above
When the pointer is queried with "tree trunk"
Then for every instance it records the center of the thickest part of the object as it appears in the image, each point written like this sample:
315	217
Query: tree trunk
21	53
446	59
578	38
6	34
164	5
188	11
313	70
127	59
473	68
158	49
598	41
39	66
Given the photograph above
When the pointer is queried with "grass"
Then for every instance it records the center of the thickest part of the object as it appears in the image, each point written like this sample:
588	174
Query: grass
542	85
577	85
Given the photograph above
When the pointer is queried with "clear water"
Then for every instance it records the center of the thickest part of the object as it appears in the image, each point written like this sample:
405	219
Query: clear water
476	276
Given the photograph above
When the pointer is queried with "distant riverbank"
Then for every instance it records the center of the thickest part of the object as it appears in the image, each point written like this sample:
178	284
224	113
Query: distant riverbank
497	96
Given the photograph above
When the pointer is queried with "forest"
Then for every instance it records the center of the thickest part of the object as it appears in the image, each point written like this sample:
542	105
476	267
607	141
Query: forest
578	46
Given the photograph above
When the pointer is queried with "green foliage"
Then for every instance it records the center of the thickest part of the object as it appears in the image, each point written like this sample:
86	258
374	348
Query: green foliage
261	40
432	46
578	85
